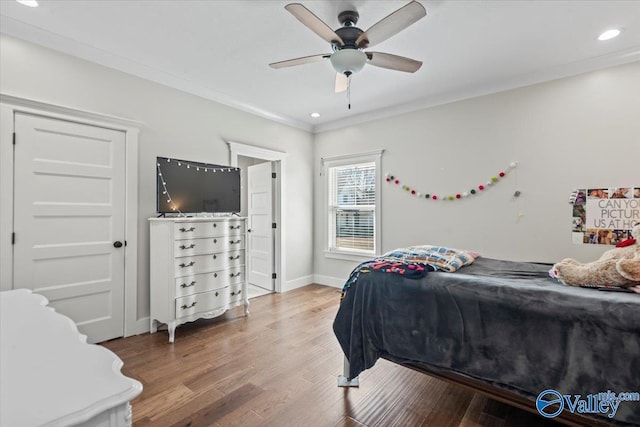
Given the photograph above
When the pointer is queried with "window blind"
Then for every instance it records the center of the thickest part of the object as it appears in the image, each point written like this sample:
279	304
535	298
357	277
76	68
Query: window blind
352	206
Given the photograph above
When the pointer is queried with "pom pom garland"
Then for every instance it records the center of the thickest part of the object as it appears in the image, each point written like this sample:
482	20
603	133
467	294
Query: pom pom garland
457	196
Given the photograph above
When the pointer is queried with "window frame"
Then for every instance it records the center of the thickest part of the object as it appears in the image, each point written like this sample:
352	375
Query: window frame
330	251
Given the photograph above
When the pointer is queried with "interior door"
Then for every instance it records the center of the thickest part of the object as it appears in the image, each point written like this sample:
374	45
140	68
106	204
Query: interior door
260	212
69	188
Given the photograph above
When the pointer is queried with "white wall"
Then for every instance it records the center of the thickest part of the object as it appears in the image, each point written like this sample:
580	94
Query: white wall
176	124
578	131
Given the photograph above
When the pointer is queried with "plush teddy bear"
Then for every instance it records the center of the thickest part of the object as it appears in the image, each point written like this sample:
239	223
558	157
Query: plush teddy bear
616	267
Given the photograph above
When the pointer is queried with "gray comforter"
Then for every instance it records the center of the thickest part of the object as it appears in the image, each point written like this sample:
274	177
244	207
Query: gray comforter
505	323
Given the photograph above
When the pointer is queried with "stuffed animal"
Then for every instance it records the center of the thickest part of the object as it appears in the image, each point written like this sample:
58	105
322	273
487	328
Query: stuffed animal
618	267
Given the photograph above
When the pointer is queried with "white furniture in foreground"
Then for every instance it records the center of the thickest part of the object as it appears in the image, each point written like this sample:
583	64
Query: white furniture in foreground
197	269
50	376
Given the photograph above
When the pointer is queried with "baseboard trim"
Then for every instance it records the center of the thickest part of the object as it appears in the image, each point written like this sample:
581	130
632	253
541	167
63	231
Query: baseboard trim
336	282
298	283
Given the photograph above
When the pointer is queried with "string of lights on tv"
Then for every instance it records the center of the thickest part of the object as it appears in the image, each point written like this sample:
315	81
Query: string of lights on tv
198	167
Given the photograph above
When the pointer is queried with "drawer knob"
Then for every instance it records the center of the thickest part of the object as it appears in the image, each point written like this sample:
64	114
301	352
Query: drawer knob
215	257
234	227
217	293
215	274
183	265
191	246
215	240
184	285
215	225
186	230
234	274
193	304
234	242
231	258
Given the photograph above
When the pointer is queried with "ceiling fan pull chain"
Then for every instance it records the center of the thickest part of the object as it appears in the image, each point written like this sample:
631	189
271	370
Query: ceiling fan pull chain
349	91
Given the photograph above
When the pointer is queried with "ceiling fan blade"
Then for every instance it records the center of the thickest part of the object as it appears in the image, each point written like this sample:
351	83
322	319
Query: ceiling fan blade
314	23
391	25
393	62
342	82
300	61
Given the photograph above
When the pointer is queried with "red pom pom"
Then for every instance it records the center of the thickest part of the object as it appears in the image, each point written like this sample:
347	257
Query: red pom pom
434	197
501	174
458	196
397	181
413	191
480	187
388	179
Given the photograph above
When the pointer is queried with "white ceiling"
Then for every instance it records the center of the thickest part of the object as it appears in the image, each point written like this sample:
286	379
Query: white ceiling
220	49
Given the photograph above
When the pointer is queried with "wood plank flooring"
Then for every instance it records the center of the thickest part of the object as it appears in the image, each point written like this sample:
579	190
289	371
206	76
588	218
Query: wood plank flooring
279	367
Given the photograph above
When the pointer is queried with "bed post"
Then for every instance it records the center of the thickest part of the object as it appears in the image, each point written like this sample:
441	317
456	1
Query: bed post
343	380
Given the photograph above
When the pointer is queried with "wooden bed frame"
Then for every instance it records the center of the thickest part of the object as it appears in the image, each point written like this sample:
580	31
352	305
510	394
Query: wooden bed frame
477	386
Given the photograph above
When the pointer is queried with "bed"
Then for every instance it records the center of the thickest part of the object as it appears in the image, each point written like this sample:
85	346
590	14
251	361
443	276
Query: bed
502	328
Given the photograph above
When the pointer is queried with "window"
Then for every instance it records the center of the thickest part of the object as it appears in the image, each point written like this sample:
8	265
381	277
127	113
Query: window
352	184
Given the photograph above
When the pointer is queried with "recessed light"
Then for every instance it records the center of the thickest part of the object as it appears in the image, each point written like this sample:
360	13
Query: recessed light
609	34
315	115
30	3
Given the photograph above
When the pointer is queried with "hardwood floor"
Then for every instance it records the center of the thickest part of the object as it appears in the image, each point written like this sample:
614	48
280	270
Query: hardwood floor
279	367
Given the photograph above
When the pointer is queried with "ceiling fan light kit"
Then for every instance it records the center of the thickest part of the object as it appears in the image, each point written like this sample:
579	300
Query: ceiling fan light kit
348	42
348	61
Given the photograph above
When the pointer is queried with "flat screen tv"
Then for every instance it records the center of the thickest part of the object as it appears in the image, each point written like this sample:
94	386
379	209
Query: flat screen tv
185	186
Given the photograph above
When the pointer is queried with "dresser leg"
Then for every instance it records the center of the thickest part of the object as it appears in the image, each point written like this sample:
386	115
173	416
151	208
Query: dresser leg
171	327
246	307
153	326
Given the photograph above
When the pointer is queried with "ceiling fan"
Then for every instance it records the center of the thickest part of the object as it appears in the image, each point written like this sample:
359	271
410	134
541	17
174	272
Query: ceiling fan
348	42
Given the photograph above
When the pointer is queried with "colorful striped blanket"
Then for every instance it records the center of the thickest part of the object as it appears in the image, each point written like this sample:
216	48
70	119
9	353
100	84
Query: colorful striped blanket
413	262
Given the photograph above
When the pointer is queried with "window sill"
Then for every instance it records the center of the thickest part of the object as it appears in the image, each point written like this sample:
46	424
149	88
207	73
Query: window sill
349	256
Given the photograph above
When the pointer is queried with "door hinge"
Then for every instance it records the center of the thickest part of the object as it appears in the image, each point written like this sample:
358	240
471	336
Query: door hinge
273	174
273	225
14	138
13	238
273	275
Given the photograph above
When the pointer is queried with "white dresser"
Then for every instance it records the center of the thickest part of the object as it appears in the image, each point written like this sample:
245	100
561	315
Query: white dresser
50	376
197	269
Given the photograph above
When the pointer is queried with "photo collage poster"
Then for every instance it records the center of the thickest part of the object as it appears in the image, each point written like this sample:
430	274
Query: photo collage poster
604	216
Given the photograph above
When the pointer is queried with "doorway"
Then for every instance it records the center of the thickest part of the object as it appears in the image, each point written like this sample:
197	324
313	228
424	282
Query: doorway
257	206
265	245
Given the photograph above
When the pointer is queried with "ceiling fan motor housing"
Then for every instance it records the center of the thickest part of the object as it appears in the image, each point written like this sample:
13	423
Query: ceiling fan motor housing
349	35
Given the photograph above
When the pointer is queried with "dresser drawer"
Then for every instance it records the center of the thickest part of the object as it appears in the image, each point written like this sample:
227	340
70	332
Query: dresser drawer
190	230
202	302
208	245
185	266
197	283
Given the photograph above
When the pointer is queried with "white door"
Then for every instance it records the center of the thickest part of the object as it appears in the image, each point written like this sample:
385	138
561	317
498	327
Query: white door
69	189
260	212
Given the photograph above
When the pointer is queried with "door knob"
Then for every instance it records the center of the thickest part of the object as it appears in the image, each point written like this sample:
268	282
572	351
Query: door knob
117	244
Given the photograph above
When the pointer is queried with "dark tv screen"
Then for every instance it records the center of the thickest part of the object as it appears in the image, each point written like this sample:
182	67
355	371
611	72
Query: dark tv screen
193	187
